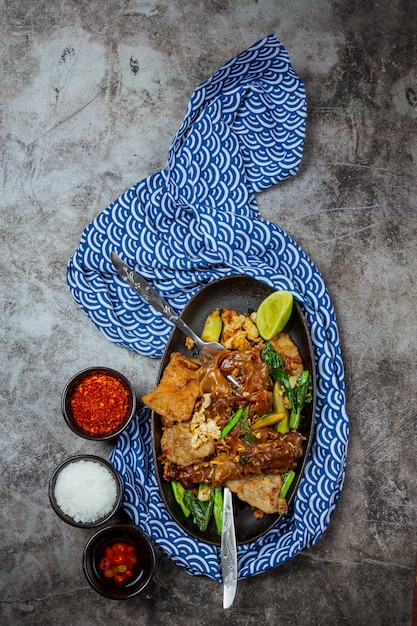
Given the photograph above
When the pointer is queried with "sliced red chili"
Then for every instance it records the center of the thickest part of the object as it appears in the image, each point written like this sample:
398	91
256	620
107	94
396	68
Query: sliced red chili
108	552
119	579
118	558
118	562
104	563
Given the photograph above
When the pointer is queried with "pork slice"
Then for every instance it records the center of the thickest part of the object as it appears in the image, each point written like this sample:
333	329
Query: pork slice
261	492
175	395
293	363
177	446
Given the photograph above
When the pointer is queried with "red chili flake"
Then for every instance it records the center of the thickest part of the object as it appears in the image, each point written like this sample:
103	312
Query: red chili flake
99	404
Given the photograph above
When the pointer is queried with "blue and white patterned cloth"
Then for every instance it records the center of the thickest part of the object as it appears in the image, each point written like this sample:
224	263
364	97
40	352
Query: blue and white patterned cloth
190	224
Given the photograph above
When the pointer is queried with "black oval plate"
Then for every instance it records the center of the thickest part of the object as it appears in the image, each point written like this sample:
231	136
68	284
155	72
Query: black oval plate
242	294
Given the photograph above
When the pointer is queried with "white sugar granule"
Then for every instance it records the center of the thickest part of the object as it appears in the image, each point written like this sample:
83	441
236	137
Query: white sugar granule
85	490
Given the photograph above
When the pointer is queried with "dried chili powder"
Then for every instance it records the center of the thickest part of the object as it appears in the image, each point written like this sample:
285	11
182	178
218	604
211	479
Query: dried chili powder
99	404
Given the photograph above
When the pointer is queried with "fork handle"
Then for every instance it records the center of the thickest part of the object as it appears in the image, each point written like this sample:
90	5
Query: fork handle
152	297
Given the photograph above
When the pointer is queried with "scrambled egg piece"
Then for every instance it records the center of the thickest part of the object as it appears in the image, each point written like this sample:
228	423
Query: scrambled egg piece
201	429
189	343
238	331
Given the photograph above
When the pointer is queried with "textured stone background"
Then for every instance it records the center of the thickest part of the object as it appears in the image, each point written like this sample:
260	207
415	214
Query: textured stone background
92	94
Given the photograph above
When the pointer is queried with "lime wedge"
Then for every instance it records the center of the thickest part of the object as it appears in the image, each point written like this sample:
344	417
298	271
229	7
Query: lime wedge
273	313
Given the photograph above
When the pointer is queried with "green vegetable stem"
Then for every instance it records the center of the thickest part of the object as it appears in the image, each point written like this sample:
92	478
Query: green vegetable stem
208	503
297	397
286	482
273	359
231	423
279	406
212	327
283	426
269	419
201	510
218	508
301	394
247	433
179	491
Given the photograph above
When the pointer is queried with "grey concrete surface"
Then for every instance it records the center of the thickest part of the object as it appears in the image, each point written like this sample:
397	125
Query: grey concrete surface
92	94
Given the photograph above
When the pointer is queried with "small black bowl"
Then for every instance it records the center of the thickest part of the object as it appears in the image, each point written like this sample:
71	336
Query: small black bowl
142	571
72	386
100	520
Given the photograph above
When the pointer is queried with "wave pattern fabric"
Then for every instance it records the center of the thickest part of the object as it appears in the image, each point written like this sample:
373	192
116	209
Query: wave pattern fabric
190	224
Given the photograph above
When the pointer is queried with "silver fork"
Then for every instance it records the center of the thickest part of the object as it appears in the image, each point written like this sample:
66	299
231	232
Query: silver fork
207	349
